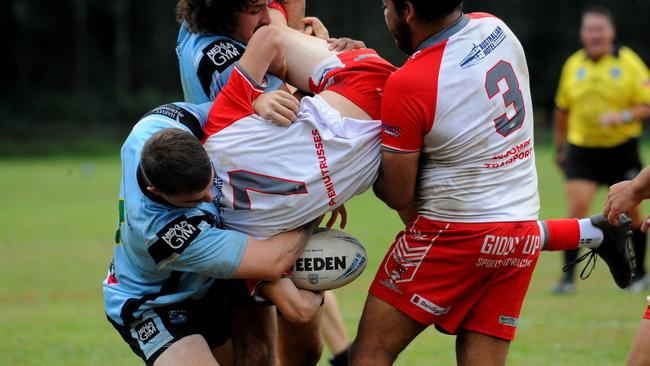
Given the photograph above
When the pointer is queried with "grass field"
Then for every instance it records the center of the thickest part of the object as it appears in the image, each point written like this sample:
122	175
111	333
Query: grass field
56	228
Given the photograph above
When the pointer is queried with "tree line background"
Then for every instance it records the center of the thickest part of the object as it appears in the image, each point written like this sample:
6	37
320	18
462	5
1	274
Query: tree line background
77	69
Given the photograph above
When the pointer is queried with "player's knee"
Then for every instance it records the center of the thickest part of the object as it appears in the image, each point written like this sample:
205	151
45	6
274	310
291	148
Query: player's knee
365	353
269	35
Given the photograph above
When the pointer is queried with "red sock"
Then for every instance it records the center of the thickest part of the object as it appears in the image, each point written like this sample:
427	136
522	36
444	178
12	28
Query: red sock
562	234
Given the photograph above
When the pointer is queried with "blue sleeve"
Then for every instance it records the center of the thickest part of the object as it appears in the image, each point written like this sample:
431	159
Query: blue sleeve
193	244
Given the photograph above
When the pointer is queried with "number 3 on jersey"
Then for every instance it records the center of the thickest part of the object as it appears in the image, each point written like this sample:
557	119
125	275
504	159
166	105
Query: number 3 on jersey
512	96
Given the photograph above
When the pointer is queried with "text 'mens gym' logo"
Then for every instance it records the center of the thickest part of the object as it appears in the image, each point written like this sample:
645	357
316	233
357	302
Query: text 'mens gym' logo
146	330
177	235
483	49
222	52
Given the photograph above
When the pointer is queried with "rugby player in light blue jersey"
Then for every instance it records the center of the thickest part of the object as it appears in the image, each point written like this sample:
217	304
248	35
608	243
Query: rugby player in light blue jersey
163	291
212	37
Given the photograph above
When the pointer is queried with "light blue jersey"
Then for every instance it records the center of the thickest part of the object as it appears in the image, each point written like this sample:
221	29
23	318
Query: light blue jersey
206	62
164	254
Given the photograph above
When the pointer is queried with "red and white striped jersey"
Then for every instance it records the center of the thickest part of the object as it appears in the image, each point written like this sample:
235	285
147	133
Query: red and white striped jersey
463	100
273	179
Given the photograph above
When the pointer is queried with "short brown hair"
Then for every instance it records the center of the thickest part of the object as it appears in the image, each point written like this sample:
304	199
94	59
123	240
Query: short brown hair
599	10
174	162
219	17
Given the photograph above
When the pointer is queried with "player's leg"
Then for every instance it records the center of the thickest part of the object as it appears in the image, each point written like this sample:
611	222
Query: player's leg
610	242
360	74
476	349
254	335
299	344
190	350
383	333
640	352
579	194
334	332
303	53
224	354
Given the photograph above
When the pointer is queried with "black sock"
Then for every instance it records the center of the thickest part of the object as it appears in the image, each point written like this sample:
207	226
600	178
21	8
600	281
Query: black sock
341	359
569	257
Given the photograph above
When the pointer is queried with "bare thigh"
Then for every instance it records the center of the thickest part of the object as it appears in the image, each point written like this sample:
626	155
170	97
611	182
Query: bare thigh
190	350
254	333
383	333
299	344
303	53
476	349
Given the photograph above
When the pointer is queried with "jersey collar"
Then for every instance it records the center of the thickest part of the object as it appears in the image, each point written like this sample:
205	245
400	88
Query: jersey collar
445	33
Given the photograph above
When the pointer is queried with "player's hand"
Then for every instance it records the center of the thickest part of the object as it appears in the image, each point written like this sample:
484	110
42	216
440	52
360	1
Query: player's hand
620	199
339	211
610	119
645	224
279	106
314	27
344	44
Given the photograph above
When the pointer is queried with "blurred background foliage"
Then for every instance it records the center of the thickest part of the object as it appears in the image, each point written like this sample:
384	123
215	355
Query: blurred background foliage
76	70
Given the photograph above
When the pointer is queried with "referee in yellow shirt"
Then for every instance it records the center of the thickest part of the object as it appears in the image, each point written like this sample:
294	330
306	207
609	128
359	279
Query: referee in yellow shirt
604	93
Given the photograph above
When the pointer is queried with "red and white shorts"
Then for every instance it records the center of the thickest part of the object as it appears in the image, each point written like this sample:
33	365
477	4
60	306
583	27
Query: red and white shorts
647	311
471	276
359	75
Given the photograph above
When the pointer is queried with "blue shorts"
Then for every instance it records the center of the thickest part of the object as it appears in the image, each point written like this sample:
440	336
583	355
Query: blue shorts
157	329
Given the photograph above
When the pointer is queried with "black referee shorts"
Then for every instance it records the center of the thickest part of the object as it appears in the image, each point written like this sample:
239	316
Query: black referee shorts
604	165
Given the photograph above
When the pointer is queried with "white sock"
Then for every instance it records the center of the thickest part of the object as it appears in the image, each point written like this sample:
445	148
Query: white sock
590	236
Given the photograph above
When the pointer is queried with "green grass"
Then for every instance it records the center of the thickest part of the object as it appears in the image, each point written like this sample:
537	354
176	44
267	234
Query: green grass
57	220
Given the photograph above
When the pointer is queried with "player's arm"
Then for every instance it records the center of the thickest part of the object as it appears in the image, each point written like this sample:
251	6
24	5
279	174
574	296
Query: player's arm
269	259
406	118
560	127
397	178
296	305
265	53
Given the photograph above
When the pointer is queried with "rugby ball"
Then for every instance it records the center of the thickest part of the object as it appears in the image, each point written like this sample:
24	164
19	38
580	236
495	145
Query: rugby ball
332	258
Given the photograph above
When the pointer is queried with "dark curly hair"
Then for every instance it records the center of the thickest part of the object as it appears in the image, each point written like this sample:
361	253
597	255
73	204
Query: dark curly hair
211	16
428	10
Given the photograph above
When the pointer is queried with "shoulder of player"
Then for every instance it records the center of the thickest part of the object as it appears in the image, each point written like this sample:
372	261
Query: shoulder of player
481	15
626	54
169	232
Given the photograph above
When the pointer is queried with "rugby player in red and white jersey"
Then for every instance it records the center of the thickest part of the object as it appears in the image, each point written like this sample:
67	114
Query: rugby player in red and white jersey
458	164
273	178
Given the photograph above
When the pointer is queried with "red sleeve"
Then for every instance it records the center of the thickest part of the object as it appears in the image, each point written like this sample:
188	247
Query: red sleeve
279	7
408	106
233	103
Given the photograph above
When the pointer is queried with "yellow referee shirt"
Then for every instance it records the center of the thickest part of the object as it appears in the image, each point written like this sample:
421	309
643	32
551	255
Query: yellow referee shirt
590	88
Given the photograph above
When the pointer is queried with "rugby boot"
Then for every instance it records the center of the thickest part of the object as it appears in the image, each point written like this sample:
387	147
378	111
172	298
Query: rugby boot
616	250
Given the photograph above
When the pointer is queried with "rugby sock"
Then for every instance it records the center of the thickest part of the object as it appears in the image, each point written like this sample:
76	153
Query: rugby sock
590	236
563	234
341	359
568	234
